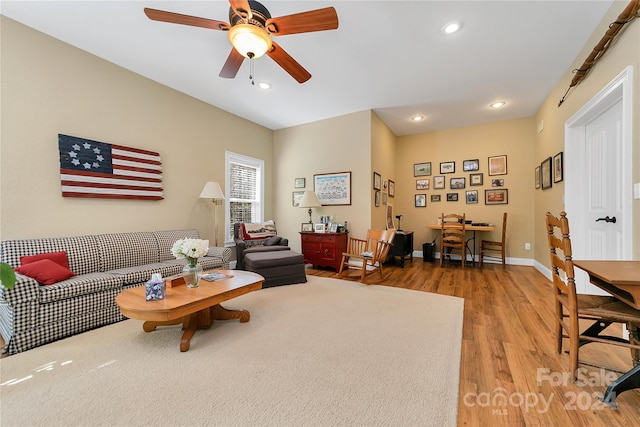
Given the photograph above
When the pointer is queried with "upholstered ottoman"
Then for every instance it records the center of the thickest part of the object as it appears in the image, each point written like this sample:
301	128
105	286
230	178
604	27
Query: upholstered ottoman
277	268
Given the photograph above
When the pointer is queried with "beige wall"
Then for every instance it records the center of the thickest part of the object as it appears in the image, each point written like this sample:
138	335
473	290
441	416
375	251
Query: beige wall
49	87
340	144
383	154
513	138
624	52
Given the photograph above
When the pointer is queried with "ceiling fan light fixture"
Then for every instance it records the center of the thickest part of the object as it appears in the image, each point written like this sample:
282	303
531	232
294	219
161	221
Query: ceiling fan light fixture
249	40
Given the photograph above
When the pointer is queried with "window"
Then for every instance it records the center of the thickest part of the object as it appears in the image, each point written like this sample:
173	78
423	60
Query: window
245	188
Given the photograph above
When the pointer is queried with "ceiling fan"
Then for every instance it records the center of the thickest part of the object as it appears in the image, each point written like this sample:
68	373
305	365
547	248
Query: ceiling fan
250	29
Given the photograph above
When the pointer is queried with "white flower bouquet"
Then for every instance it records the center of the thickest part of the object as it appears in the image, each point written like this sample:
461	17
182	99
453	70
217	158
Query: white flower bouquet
191	249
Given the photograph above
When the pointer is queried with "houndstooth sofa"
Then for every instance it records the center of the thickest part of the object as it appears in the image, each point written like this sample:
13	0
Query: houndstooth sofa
32	314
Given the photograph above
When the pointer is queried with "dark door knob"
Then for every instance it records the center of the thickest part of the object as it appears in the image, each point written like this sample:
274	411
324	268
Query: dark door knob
607	219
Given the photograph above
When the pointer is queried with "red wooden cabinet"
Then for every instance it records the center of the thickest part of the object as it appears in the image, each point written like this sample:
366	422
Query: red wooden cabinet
324	249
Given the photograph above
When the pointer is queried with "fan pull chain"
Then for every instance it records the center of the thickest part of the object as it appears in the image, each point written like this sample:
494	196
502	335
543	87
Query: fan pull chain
250	55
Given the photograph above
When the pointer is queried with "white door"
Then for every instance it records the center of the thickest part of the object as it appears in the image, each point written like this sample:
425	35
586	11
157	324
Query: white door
598	179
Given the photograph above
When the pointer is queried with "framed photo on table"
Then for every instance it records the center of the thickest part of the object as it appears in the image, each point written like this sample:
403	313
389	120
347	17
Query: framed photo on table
306	226
319	228
333	188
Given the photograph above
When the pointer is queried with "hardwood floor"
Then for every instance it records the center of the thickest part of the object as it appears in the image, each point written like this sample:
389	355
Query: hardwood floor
510	374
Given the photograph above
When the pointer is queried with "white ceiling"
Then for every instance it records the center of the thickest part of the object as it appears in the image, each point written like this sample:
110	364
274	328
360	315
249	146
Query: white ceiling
389	56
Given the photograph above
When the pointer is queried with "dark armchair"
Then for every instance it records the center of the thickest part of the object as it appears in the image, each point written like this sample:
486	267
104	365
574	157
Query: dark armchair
243	247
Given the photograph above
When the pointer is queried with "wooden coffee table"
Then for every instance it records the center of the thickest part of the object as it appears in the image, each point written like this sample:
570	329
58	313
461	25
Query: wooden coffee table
195	308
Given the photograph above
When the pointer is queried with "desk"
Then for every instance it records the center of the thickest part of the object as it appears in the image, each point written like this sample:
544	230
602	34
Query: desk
402	246
622	280
468	227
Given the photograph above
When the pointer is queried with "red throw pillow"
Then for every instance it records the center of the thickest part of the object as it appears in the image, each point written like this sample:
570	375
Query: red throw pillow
45	271
57	257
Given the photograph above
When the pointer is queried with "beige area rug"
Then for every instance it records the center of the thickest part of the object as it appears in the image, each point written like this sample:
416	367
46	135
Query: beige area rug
325	353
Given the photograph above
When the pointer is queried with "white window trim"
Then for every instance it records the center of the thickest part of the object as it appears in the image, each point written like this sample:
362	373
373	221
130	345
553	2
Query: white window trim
231	157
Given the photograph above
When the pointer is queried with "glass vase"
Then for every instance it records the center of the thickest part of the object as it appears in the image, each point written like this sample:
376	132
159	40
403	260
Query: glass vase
192	273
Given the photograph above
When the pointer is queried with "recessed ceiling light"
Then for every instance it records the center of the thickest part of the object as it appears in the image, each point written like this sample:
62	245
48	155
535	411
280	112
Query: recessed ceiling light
497	104
451	27
264	85
417	118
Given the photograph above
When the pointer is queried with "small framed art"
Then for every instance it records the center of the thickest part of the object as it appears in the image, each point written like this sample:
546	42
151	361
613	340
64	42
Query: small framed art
376	197
536	176
438	182
470	165
545	173
422	169
319	228
420	200
498	165
452	197
299	182
471	196
384	198
333	227
558	170
422	184
457	183
296	196
333	188
435	197
392	188
447	167
377	181
496	197
497	182
306	226
475	179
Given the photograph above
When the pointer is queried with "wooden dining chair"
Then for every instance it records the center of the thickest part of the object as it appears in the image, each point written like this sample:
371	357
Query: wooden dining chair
495	250
452	236
367	255
599	311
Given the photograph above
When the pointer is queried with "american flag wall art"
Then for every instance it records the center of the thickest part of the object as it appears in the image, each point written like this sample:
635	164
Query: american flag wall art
100	170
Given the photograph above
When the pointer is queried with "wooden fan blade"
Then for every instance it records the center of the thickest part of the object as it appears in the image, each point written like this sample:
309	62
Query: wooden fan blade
289	64
241	8
177	18
231	67
305	22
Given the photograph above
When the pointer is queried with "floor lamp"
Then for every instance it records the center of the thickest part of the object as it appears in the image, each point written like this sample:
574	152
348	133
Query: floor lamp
213	191
309	200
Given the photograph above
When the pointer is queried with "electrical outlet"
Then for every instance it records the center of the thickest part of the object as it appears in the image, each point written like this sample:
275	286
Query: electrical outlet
527	246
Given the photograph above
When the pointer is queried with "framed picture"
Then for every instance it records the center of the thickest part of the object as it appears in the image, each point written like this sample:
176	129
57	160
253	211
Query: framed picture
496	197
452	197
390	217
536	177
296	196
438	182
435	197
470	165
422	184
422	169
333	188
471	196
384	184
497	182
475	179
392	188
545	173
377	198
299	182
333	227
558	170
447	167
498	165
384	198
377	181
421	200
306	226
319	228
457	183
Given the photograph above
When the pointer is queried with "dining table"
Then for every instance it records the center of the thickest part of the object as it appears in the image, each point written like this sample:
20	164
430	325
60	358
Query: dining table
622	280
474	227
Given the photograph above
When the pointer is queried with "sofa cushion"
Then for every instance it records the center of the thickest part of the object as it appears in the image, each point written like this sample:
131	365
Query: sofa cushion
57	257
167	238
255	261
272	241
80	285
257	230
45	271
121	250
142	273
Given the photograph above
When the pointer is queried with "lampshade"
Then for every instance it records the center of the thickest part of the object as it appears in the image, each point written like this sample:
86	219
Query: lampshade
250	41
309	200
212	190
